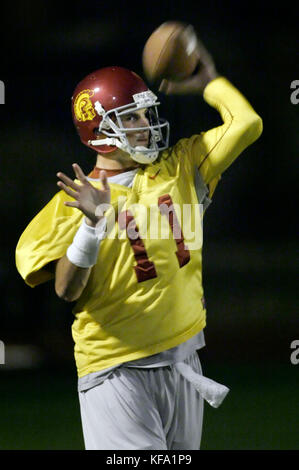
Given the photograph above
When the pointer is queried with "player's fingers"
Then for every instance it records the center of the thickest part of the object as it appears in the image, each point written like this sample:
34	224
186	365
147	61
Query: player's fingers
72	204
68	181
79	173
67	190
104	180
202	52
191	84
163	86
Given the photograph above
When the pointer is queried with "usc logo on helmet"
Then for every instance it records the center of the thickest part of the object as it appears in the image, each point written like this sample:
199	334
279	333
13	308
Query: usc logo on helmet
83	108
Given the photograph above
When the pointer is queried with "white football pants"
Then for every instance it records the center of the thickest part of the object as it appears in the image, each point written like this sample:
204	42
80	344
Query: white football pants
134	408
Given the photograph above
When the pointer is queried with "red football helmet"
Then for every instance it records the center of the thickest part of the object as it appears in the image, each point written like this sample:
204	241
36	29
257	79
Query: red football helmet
98	104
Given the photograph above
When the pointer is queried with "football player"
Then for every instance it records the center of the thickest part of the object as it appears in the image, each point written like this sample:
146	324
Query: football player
140	312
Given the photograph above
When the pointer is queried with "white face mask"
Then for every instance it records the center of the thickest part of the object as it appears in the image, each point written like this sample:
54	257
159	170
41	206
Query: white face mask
117	134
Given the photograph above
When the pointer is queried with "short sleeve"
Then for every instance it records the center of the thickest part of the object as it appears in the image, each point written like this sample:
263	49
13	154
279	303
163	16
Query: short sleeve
46	239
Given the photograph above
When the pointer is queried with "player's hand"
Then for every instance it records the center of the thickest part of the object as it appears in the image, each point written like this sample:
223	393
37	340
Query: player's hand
206	71
86	197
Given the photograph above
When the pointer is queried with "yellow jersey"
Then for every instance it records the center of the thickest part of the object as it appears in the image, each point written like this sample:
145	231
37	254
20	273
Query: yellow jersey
144	295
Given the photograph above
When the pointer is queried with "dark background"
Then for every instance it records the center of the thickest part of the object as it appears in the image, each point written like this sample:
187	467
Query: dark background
250	242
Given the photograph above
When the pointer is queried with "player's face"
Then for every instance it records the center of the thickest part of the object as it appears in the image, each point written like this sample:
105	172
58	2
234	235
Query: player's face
133	120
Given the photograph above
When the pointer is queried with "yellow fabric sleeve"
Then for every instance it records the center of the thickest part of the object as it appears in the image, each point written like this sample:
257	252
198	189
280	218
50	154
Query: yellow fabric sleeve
46	238
214	151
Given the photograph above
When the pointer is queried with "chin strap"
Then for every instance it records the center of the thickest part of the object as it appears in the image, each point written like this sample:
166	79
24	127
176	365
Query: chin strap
137	154
109	141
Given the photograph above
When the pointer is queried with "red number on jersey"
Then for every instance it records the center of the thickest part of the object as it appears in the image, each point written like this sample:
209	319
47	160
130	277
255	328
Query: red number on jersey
166	208
145	268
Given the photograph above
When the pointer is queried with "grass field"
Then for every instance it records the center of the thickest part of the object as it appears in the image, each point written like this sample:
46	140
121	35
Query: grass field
260	413
40	411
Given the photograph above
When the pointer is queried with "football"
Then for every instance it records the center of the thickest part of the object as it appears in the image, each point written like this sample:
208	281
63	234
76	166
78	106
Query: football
170	52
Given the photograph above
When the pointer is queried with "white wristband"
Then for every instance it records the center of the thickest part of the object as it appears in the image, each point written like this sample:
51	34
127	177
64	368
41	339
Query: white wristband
83	252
